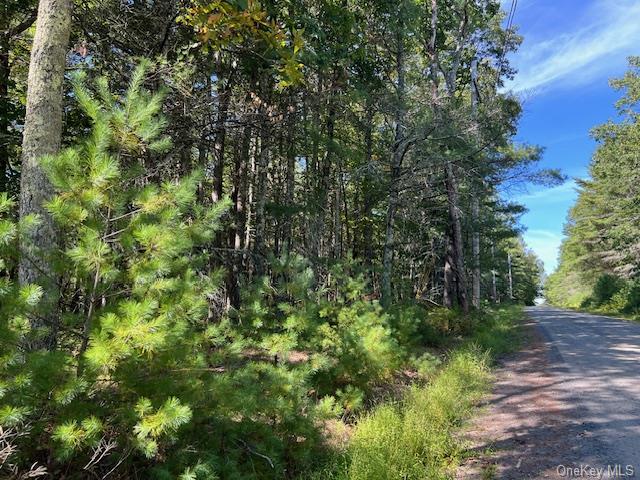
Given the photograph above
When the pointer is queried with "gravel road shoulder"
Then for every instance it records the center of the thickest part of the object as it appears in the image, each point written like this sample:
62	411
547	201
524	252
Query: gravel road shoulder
530	426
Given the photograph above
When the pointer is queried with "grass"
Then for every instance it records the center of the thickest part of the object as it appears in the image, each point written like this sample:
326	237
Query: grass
489	472
415	438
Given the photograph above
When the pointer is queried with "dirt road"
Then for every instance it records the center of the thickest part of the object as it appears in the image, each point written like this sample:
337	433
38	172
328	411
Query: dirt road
567	406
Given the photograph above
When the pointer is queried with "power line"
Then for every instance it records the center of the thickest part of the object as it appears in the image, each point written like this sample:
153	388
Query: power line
510	17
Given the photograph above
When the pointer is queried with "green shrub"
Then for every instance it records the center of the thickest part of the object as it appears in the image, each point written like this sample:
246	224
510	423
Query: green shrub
415	326
426	365
416	437
625	300
141	379
605	288
448	321
632	297
349	340
496	331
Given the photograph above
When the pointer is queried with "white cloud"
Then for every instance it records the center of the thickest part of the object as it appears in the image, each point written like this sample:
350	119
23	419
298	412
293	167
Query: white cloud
608	32
546	244
566	191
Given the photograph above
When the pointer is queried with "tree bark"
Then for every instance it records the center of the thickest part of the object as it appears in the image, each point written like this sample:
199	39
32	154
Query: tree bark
448	289
475	202
475	251
510	276
367	200
399	150
457	240
494	288
224	98
42	136
239	199
324	181
263	157
4	111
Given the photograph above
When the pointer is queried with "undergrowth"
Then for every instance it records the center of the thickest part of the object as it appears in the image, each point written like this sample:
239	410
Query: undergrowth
415	438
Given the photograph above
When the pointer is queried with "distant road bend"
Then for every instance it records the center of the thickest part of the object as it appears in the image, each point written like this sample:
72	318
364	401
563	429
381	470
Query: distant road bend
567	406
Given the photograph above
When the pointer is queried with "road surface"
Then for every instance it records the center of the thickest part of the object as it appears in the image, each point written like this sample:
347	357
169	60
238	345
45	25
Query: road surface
567	406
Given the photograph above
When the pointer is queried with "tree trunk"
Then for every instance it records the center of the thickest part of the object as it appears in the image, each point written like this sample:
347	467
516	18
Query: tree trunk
367	200
290	181
494	288
337	214
448	289
456	225
450	77
388	252
475	202
475	251
260	180
251	175
224	98
399	150
311	175
239	199
510	277
4	112
42	136
324	182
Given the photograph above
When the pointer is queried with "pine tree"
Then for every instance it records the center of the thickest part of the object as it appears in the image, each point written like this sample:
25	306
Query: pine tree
135	291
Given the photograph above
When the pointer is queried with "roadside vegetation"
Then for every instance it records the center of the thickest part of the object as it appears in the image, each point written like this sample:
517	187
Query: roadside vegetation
418	435
238	238
599	258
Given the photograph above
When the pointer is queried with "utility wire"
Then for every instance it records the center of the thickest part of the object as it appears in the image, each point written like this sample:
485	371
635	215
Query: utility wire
512	13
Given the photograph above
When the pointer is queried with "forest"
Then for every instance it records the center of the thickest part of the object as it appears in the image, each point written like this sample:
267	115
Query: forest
232	230
599	257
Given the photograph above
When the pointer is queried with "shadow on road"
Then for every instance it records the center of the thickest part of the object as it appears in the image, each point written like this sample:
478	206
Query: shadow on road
570	399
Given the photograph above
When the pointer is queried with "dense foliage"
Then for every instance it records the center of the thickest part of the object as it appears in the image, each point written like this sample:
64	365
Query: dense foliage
415	438
263	212
599	258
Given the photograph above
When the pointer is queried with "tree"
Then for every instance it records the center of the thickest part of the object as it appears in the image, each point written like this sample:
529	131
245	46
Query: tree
601	243
42	136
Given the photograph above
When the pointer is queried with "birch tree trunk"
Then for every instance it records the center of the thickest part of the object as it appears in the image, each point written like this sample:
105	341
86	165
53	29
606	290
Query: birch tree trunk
42	136
494	288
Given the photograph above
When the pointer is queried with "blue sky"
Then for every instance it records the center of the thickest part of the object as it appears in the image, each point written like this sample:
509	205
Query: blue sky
571	48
